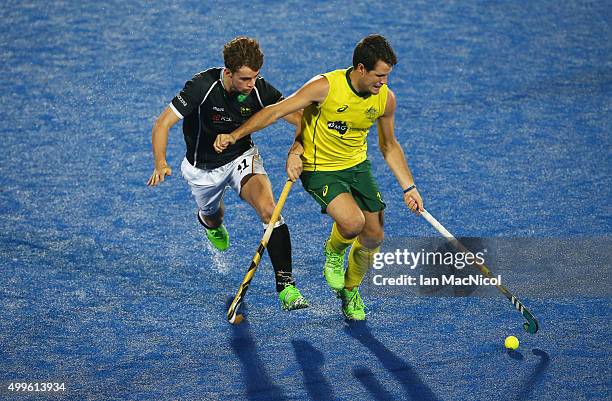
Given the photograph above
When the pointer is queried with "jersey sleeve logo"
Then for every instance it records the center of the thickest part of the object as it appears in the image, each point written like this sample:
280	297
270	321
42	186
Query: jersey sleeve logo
180	99
339	126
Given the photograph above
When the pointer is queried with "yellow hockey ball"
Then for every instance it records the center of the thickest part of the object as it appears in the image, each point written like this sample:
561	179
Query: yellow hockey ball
511	342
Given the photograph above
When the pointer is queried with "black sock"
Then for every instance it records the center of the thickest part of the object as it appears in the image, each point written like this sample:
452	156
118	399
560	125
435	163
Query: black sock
279	249
203	223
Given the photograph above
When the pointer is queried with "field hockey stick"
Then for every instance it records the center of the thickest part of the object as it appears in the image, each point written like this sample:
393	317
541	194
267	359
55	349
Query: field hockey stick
232	315
531	326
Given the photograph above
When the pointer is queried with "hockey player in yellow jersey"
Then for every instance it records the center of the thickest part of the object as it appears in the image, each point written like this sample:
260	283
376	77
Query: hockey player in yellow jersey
334	131
329	155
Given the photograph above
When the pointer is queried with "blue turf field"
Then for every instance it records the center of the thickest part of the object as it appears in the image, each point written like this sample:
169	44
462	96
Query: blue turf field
504	111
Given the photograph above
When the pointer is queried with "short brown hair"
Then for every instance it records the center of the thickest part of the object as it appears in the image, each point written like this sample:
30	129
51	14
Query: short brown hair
242	51
371	49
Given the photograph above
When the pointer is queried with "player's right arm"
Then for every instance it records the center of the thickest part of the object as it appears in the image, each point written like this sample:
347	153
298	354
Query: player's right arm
314	91
183	104
159	140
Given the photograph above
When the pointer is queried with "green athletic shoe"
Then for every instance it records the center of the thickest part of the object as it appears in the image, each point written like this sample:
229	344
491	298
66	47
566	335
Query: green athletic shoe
291	299
333	270
352	304
218	237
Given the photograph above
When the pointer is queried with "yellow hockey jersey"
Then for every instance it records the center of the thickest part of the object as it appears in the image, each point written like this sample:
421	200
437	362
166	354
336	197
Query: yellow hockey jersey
334	132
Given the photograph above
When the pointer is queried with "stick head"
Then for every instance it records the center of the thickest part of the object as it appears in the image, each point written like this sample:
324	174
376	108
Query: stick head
236	319
232	313
531	327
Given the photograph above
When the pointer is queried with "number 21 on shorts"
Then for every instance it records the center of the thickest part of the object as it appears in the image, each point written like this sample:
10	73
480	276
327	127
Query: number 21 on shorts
243	165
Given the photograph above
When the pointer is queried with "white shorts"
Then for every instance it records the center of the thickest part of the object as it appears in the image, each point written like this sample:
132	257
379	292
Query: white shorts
208	186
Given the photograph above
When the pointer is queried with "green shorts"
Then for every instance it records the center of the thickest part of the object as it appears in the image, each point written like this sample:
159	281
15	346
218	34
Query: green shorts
358	181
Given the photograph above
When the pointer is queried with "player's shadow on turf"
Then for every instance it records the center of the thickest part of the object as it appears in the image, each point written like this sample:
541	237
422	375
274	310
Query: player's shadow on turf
376	389
405	374
259	385
536	376
311	360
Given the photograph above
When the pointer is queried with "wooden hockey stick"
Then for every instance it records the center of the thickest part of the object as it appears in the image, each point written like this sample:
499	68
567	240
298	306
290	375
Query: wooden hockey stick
232	313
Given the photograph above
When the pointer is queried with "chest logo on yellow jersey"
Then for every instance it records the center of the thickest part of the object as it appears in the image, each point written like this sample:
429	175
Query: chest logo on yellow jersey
342	109
371	113
339	126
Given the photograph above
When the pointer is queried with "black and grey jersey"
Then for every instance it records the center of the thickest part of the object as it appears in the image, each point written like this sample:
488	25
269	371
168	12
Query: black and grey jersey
207	110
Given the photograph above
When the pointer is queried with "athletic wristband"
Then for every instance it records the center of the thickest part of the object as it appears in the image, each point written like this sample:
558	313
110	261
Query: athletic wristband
410	188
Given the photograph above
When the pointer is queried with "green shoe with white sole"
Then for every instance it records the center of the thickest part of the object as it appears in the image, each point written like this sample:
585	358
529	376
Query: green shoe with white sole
291	298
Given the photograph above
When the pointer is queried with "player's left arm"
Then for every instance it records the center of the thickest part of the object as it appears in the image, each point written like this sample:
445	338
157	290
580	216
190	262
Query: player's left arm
394	155
294	165
314	91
